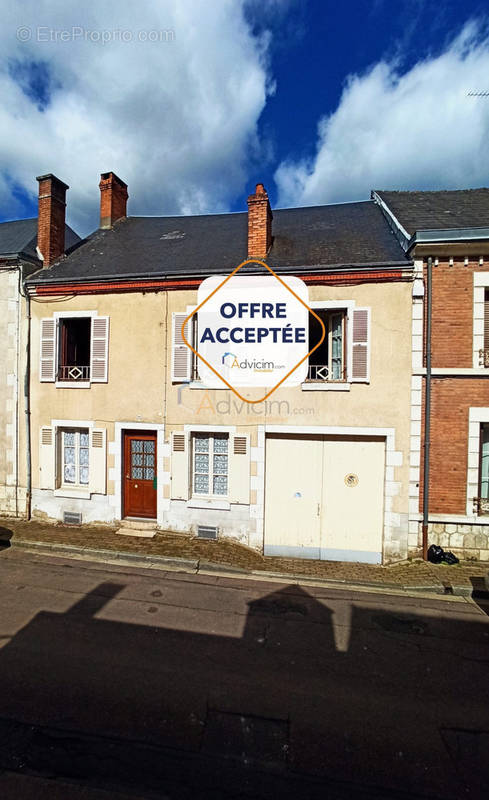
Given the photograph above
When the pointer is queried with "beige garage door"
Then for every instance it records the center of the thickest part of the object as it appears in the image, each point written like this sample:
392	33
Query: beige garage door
324	498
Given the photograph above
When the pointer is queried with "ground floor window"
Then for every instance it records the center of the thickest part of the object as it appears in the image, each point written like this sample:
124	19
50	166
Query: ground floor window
484	470
74	460
210	464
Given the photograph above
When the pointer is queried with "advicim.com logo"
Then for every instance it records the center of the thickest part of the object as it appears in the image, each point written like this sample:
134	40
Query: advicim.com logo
263	320
231	361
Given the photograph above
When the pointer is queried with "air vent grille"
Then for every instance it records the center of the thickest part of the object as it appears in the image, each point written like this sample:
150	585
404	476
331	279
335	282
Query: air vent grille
206	532
72	518
97	438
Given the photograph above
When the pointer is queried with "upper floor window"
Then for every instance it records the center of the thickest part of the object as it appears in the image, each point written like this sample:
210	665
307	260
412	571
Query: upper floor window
484	354
483	502
328	362
74	349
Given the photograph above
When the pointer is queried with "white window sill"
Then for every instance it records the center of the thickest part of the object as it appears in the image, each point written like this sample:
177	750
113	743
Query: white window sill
72	491
313	386
208	502
72	384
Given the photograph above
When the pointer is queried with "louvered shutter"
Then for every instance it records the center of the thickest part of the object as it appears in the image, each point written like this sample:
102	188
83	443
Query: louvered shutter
99	351
180	466
486	328
239	469
97	461
360	367
47	458
181	361
47	350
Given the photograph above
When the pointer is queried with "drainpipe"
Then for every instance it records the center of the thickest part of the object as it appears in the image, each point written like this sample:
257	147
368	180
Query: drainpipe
427	411
27	406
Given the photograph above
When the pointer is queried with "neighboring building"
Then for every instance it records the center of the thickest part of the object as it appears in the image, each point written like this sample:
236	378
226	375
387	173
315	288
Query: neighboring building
19	258
451	228
122	428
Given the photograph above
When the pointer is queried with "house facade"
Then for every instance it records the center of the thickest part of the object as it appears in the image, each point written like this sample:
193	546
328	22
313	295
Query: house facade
19	258
447	235
124	431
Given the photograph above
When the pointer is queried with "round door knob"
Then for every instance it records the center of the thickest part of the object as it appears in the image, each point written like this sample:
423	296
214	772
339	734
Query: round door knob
135	486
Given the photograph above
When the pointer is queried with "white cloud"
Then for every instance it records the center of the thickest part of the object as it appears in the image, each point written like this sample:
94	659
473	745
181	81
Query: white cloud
417	130
177	120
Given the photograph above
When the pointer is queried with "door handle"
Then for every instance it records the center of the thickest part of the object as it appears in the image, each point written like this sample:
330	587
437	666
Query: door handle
127	476
319	509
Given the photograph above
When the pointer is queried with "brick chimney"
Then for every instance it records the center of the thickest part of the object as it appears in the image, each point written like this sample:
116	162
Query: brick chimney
113	199
259	223
51	218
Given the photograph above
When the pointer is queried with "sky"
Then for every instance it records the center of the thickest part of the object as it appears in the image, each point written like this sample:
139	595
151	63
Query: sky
193	102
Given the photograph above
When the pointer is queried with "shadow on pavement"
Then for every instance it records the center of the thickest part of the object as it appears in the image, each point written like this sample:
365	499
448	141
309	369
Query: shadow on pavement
400	708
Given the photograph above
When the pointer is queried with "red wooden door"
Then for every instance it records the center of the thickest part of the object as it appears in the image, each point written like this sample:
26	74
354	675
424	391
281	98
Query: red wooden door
139	475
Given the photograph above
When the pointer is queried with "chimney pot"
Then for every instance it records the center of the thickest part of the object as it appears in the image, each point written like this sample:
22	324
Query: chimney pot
113	199
259	223
51	218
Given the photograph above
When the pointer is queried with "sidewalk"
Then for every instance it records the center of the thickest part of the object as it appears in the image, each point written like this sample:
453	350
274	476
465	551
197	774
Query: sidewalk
224	555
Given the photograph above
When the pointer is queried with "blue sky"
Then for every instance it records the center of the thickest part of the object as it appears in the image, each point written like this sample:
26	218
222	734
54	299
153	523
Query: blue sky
321	101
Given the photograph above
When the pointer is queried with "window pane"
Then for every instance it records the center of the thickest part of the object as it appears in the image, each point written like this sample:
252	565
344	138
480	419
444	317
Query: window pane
136	446
69	455
84	455
149	473
69	438
220	484
201	484
69	473
84	475
149	447
201	463
201	443
221	465
149	461
137	473
137	459
83	439
220	444
337	346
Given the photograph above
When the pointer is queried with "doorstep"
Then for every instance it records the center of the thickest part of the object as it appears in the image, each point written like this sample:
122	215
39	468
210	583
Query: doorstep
138	526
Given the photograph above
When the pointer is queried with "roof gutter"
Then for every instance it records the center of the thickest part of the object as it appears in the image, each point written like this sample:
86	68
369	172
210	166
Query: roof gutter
443	235
151	276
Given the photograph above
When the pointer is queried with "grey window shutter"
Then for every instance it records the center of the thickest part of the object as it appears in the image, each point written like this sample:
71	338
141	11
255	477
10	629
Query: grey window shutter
99	350
47	350
360	367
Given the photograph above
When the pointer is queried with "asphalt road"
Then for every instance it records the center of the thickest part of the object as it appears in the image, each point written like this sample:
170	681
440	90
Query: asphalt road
118	682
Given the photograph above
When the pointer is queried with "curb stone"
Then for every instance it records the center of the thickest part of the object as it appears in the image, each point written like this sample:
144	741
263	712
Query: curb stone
197	566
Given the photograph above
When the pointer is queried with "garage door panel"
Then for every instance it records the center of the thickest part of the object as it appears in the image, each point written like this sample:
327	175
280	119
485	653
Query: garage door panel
352	501
292	497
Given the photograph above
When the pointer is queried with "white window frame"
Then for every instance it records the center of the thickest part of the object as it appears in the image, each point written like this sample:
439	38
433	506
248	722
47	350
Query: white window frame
76	484
210	474
346	307
61	489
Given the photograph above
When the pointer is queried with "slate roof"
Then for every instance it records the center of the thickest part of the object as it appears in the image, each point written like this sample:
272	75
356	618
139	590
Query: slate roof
19	238
346	234
416	211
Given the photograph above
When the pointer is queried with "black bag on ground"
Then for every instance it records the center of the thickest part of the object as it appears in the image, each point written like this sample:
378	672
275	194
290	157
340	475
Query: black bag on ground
449	558
435	554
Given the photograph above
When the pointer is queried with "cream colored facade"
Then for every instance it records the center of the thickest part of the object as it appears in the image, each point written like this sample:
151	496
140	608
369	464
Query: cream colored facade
139	394
12	417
